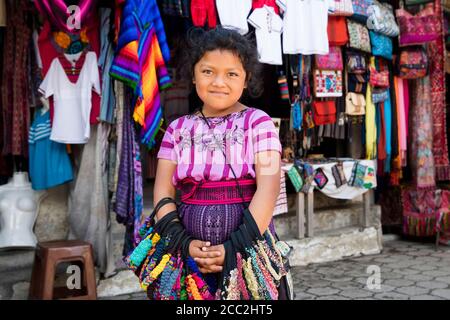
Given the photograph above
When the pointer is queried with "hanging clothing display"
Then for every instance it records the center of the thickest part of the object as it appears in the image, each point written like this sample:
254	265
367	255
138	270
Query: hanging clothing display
108	99
140	63
269	27
15	90
50	48
2	13
421	127
436	54
202	12
308	18
72	100
49	162
261	3
233	14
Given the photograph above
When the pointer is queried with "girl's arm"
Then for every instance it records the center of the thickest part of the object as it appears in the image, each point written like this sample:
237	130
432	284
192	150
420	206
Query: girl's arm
267	168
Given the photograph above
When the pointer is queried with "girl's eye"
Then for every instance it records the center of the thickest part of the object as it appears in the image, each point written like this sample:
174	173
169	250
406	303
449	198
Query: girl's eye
233	74
207	72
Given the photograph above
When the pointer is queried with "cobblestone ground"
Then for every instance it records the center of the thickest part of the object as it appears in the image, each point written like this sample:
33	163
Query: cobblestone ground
407	271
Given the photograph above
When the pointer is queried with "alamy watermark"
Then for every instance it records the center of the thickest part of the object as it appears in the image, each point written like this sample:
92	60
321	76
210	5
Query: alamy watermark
74	280
74	20
374	280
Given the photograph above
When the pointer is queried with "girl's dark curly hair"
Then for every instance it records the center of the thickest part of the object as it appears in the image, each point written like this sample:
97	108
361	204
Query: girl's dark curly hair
199	41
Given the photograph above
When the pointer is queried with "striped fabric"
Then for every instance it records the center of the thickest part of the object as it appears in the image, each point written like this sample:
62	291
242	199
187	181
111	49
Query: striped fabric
197	150
140	63
39	131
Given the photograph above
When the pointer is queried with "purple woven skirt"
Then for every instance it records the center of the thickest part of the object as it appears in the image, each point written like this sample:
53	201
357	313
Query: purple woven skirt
211	211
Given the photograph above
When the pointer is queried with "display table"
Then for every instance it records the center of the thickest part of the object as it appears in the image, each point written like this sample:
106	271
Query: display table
345	191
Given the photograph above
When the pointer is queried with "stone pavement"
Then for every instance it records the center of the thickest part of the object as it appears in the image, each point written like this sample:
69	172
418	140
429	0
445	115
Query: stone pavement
404	270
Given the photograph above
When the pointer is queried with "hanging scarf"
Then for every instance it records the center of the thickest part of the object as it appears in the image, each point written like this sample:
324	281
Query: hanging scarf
59	15
436	54
422	134
371	128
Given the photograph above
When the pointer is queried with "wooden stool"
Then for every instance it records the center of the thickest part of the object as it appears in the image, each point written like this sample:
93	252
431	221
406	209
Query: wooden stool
48	255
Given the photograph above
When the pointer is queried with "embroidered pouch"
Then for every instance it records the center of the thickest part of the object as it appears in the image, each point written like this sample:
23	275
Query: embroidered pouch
338	173
380	95
320	178
324	112
360	8
358	173
381	45
295	177
420	28
327	83
412	63
379	78
356	62
381	19
342	8
359	36
330	61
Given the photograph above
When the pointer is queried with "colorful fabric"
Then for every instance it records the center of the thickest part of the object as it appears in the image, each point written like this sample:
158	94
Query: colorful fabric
371	127
436	54
197	150
421	128
140	63
49	162
261	3
203	11
15	90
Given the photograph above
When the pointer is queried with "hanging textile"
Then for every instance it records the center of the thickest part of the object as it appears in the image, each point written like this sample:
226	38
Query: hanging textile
421	127
371	128
436	54
140	63
15	90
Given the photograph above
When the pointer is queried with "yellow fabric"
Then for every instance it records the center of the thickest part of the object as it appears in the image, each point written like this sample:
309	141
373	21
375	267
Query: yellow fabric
2	13
371	127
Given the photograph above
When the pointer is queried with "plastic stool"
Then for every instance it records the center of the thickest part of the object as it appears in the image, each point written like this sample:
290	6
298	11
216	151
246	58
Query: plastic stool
48	255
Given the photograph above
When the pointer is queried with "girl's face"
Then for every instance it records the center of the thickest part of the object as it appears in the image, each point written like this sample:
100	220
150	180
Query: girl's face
219	79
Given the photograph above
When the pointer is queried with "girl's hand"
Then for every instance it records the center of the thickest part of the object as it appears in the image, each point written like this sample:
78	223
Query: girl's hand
212	264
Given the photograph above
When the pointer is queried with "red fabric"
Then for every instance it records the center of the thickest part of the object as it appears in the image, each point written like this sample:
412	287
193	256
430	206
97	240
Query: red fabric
324	112
270	3
203	10
49	51
337	31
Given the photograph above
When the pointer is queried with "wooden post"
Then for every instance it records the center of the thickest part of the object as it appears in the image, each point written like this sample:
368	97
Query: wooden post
300	211
310	214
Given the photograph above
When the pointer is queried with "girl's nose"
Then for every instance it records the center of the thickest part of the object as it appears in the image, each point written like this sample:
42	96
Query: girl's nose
219	81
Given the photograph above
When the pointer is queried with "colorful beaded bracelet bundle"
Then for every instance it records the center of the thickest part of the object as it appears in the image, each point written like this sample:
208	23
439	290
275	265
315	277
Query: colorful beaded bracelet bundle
161	262
254	264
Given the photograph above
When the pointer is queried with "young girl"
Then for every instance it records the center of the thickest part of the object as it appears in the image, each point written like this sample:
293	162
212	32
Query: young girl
225	154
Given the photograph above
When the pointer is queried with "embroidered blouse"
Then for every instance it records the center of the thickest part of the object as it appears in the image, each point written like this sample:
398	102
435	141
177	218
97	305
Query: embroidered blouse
197	150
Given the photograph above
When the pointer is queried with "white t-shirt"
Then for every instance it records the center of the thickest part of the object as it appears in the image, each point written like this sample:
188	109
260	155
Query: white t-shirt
233	14
305	26
72	100
268	27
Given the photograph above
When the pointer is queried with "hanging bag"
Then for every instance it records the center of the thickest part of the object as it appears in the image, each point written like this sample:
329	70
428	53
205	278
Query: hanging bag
381	19
359	36
342	8
356	62
355	104
330	61
412	63
327	83
381	45
420	28
360	8
324	112
379	78
337	31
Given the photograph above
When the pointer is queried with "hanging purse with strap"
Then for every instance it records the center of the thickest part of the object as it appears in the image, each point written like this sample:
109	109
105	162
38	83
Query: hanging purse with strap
412	63
324	112
355	104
